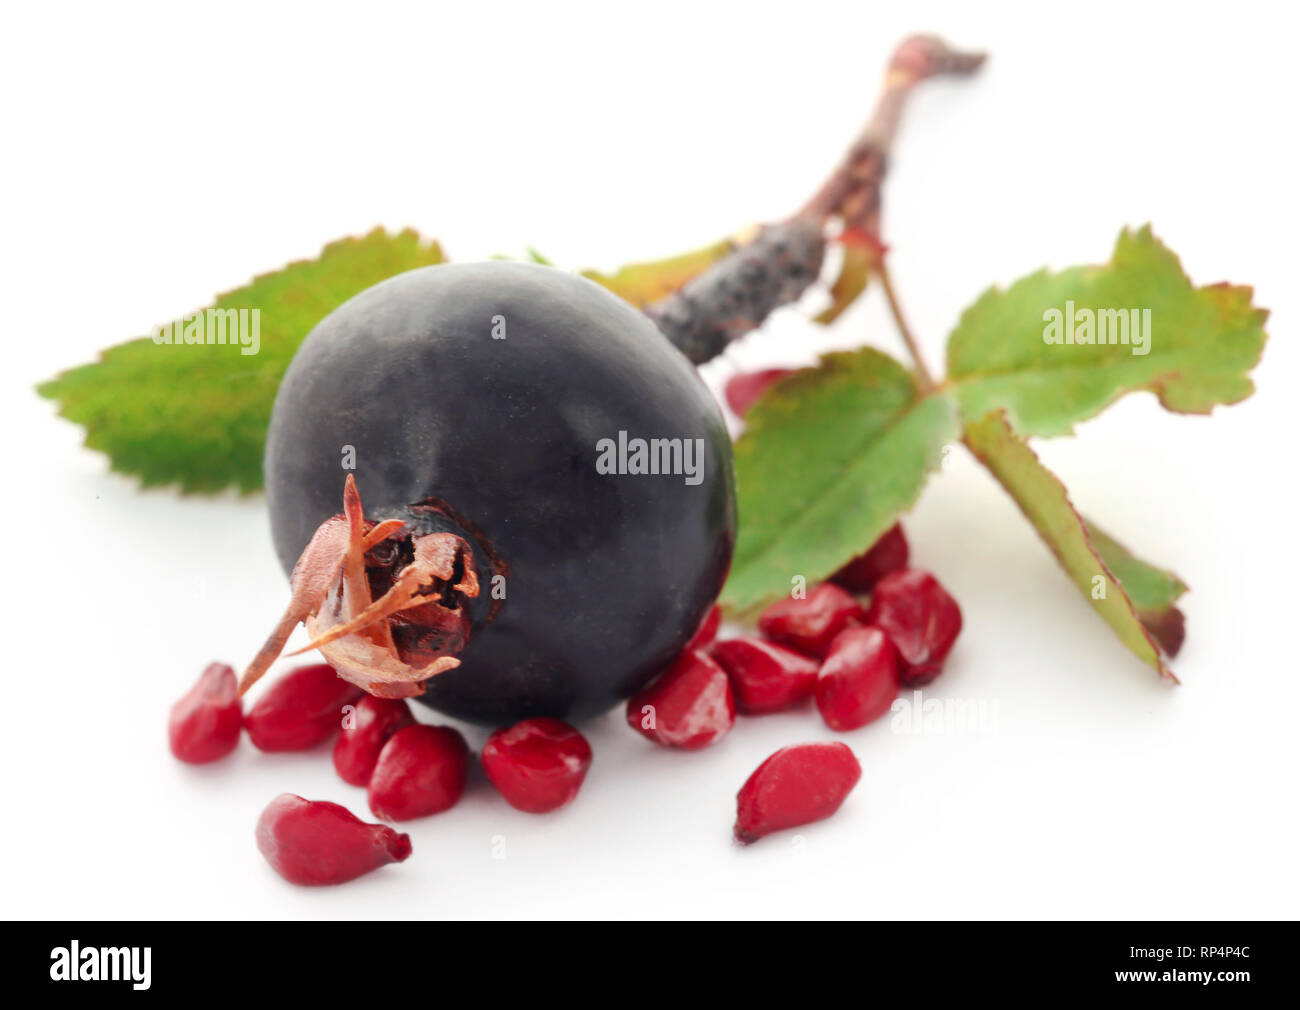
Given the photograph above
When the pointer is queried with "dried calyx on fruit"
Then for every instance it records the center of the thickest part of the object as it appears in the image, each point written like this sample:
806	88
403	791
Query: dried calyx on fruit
387	609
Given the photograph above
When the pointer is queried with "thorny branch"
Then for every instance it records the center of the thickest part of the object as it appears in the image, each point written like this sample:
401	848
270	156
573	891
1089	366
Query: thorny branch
737	293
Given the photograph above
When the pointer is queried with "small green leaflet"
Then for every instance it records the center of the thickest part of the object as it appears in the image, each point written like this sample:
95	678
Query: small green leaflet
1046	504
196	414
1152	590
1202	342
830	457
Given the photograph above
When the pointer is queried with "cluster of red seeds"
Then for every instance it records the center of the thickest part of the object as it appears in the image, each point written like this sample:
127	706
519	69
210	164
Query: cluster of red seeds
409	769
825	645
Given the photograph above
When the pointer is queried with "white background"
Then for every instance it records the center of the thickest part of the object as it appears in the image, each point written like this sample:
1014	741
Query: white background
154	156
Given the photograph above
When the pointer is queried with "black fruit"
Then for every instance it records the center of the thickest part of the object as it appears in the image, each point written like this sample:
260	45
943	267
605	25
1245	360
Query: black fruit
475	396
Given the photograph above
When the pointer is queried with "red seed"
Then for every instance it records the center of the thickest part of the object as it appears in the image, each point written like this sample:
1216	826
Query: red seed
420	772
858	680
810	624
707	631
797	785
888	554
301	709
538	765
373	722
204	725
314	842
921	619
743	389
765	677
689	705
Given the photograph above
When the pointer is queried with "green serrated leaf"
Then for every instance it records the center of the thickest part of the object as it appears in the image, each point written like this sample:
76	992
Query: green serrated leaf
830	457
1201	342
643	283
196	414
1045	502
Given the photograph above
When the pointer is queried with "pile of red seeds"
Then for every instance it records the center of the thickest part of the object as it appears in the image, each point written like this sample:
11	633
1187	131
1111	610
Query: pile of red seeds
409	769
823	645
850	644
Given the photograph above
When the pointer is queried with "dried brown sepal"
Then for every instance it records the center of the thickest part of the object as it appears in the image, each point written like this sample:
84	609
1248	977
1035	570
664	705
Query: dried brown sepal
331	595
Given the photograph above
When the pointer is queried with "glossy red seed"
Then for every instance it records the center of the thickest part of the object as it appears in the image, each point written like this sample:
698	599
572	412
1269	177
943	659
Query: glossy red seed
888	554
690	705
538	765
301	709
765	677
420	772
743	389
314	842
921	619
810	624
859	679
204	725
707	631
797	785
364	735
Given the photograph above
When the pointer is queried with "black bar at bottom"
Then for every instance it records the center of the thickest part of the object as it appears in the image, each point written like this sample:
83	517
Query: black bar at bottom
1229	959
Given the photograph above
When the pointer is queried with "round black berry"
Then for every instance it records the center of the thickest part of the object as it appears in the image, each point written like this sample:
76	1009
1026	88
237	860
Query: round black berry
554	429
